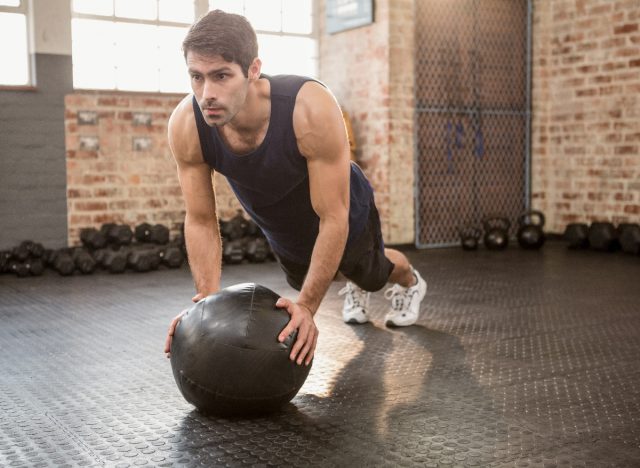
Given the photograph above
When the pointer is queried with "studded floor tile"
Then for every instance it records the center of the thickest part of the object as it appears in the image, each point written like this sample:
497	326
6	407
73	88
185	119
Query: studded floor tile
519	359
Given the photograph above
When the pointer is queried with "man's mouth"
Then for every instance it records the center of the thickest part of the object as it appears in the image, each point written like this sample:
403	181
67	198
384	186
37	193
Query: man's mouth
213	110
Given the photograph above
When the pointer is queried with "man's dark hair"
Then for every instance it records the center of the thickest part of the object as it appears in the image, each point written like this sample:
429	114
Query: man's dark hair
225	34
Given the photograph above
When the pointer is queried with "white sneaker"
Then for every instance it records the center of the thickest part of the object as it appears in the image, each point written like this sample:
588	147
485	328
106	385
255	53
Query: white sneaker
405	302
356	302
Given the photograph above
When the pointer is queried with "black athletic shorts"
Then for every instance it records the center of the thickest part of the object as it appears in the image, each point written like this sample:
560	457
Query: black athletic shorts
363	262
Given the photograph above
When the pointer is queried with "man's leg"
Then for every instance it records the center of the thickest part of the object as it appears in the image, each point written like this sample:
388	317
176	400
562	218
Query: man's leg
371	269
406	294
402	272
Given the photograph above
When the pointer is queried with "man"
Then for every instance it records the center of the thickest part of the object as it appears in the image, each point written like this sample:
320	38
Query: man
281	143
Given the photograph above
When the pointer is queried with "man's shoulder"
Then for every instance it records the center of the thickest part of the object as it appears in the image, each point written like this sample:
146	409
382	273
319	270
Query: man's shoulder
183	133
318	122
183	112
290	85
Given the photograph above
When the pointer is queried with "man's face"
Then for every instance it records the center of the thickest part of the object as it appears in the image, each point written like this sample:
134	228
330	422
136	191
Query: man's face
219	86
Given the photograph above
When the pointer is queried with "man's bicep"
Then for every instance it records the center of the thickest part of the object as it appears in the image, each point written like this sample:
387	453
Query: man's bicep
323	141
329	186
329	164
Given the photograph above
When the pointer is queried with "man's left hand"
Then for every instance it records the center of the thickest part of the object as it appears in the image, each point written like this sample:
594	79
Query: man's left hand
301	320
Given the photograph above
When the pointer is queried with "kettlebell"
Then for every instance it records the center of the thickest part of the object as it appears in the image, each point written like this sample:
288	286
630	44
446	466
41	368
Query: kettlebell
469	237
496	232
530	233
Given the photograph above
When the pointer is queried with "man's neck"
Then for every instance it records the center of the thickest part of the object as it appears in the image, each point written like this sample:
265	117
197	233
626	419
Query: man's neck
256	113
246	132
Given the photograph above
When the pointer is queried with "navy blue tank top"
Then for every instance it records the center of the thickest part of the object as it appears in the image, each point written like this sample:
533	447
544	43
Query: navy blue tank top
272	182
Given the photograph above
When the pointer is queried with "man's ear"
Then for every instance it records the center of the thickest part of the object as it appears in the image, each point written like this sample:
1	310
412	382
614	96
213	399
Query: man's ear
254	69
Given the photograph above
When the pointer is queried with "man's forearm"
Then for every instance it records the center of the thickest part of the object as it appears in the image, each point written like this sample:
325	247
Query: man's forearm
325	260
204	249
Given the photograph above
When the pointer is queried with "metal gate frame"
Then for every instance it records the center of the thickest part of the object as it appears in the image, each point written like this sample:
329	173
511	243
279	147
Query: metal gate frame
474	112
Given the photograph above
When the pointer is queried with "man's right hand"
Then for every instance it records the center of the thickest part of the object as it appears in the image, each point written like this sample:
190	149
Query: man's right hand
174	324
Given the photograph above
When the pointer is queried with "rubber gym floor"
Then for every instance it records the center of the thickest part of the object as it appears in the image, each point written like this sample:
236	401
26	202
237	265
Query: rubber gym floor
519	359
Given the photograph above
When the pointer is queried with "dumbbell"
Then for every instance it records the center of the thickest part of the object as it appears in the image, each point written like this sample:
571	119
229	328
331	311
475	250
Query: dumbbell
577	236
156	234
105	228
36	249
160	234
5	256
171	256
83	260
21	252
629	237
603	236
120	234
62	261
18	268
253	230
19	265
30	249
142	232
142	259
256	250
233	252
117	234
35	266
114	261
235	228
93	239
178	240
46	256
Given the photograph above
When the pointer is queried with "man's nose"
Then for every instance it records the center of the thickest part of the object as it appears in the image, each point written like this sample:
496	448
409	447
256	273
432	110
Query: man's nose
209	91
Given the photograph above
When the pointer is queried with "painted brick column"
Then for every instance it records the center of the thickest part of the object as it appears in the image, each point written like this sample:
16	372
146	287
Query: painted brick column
400	215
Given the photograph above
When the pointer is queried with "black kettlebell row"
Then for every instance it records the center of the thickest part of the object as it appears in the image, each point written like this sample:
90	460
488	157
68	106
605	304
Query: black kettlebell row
603	236
495	232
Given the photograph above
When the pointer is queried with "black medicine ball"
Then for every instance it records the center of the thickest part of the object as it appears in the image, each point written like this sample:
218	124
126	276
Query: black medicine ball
226	357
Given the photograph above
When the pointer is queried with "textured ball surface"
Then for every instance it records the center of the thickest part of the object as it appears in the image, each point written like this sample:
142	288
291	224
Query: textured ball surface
226	357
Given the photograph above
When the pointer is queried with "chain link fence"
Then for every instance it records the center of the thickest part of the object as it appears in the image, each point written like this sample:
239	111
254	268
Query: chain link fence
472	85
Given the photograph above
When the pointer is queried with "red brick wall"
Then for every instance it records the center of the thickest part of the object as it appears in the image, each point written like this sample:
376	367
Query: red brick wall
370	70
119	166
585	125
586	111
585	103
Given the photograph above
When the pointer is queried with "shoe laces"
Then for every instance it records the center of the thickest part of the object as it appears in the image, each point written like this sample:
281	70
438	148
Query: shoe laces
399	296
356	297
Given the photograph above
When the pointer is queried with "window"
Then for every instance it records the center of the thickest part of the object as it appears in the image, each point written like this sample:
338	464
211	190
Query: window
285	33
130	45
13	30
137	45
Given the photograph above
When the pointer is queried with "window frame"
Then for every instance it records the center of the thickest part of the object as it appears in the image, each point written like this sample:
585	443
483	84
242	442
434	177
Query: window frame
23	9
201	7
313	35
113	18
